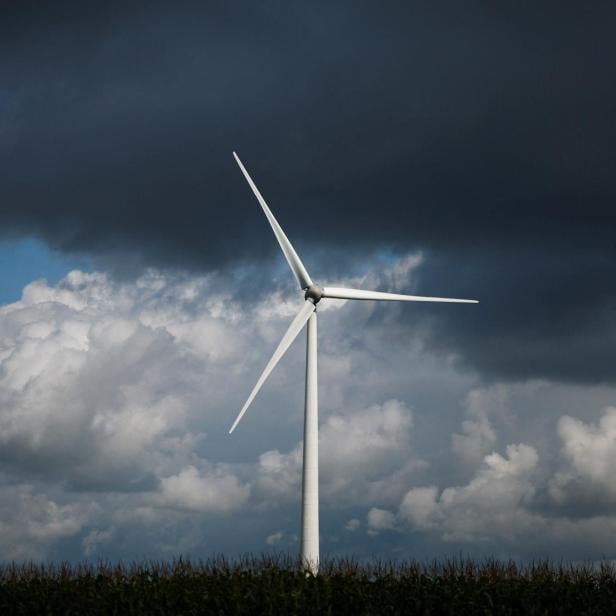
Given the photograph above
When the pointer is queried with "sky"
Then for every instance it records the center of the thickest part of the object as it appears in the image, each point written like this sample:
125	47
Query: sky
411	147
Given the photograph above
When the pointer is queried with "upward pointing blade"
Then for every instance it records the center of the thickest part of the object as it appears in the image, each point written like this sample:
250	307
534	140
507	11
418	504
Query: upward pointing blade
296	326
289	252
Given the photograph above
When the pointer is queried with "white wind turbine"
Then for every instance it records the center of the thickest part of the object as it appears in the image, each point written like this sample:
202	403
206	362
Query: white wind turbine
313	294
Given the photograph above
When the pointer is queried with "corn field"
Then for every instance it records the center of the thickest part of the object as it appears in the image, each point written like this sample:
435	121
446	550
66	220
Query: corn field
278	585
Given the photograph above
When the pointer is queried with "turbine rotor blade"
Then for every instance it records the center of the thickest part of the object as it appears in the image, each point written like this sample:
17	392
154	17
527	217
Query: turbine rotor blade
293	259
340	293
296	326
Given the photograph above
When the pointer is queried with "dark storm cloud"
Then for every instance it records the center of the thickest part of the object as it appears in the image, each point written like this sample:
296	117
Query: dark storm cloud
483	135
542	315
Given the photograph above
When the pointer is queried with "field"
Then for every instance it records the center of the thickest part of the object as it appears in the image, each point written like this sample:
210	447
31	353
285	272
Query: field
278	586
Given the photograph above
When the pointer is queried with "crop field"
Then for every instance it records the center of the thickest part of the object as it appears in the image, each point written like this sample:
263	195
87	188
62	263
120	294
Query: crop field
279	586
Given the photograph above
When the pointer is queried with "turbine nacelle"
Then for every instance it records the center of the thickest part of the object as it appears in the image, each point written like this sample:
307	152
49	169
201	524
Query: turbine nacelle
313	294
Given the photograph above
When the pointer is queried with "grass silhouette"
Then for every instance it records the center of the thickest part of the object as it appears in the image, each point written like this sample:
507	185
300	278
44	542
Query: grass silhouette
278	585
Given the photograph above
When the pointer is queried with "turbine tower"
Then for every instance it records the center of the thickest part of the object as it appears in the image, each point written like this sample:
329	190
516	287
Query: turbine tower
313	294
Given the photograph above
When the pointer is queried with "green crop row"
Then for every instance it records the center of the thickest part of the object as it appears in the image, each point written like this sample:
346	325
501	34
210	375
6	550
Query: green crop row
278	585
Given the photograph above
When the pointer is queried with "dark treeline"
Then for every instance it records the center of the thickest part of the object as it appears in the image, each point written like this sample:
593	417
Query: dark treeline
277	585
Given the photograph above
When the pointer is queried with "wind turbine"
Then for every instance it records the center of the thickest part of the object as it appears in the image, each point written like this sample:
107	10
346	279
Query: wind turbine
313	294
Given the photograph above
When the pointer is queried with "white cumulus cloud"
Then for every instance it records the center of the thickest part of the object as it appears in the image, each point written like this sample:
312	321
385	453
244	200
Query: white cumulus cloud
494	504
116	398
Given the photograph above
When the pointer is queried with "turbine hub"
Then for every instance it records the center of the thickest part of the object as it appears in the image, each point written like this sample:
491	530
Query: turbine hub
314	293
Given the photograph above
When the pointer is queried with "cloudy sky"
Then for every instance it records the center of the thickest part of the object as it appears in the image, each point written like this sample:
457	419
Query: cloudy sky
426	148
